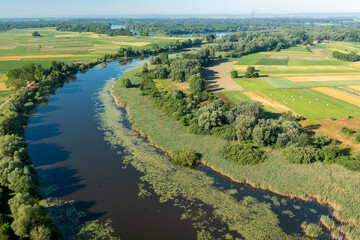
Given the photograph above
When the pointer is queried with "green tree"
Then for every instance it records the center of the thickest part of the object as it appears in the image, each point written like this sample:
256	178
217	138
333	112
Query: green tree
126	83
196	83
234	74
251	72
36	34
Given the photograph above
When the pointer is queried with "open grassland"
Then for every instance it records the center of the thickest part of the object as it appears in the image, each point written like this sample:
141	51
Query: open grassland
339	95
331	184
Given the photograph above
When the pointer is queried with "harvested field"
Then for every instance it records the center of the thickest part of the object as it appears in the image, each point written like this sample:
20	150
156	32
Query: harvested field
355	87
339	95
333	130
218	78
268	102
324	78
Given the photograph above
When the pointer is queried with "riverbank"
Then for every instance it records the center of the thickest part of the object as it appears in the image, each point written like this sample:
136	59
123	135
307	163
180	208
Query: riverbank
328	184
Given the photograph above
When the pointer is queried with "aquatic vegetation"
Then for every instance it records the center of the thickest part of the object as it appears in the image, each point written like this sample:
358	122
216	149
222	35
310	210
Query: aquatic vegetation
311	229
246	217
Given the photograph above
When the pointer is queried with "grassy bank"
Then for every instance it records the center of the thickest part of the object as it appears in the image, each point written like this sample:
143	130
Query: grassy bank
332	184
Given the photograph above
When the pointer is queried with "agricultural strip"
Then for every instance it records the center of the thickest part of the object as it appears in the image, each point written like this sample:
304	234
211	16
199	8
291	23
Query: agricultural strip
236	97
324	78
279	82
268	102
355	87
339	95
347	90
331	184
14	58
218	78
312	104
329	83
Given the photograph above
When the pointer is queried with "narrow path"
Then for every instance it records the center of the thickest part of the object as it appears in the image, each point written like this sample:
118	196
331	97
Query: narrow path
4	103
218	78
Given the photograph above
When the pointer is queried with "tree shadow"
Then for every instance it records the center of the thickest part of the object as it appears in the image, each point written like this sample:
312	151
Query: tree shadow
41	132
47	153
59	182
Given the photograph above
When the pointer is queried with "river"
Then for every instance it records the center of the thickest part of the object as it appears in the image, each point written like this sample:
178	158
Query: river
68	143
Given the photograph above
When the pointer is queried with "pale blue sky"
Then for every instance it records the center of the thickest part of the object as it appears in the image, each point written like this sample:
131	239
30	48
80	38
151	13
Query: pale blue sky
57	8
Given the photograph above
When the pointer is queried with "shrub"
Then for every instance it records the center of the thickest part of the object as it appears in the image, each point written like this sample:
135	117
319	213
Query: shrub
304	140
311	229
243	154
331	152
347	131
328	222
234	74
186	158
304	155
357	138
349	163
126	83
226	132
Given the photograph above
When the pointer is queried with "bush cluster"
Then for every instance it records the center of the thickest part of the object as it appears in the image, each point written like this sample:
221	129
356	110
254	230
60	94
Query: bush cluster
186	158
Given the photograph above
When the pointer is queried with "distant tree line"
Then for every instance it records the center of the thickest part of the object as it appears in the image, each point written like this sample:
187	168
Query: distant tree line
100	28
349	57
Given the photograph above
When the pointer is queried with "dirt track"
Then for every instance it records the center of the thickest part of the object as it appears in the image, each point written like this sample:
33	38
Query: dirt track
218	78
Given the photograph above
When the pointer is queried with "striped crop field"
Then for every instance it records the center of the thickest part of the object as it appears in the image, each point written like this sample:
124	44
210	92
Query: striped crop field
339	95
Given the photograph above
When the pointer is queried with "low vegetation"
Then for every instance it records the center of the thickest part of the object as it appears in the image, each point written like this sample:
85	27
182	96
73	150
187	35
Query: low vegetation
311	229
243	154
186	158
328	222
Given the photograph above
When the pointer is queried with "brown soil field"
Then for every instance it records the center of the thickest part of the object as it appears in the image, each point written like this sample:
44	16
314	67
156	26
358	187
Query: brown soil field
333	130
339	95
218	78
268	102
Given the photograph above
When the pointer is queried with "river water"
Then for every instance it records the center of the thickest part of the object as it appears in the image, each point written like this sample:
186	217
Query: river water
66	143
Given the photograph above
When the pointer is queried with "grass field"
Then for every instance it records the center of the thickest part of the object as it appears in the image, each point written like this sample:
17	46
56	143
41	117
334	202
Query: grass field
327	183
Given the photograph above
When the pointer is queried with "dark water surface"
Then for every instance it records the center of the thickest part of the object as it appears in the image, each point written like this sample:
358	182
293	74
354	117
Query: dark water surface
75	163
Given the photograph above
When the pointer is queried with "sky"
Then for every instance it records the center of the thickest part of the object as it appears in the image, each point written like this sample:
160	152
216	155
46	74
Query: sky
73	8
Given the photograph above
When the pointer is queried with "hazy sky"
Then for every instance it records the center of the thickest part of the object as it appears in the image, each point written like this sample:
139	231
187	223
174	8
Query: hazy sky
56	8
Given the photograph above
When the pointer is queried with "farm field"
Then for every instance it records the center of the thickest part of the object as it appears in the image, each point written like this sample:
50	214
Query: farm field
311	84
18	48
